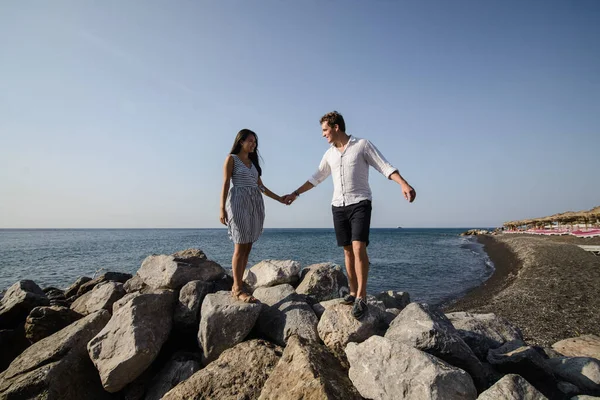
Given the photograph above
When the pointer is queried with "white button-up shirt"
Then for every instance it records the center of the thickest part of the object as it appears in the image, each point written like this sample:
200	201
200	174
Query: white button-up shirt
350	170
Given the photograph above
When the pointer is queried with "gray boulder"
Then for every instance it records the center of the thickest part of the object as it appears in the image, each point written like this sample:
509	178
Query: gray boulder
338	327
224	322
583	372
319	308
239	373
285	313
512	387
105	277
272	272
568	389
395	300
187	308
55	296
18	301
135	284
307	370
323	282
74	288
45	321
516	357
384	369
101	297
427	329
482	332
132	339
12	342
179	368
174	271
57	367
581	346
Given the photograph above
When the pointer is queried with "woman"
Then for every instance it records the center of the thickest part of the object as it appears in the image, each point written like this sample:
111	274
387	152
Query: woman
242	207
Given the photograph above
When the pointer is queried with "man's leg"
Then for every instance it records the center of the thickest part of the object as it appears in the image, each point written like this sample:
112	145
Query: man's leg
350	271
361	267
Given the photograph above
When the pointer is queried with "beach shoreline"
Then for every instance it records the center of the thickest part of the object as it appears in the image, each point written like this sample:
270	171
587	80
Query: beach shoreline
544	284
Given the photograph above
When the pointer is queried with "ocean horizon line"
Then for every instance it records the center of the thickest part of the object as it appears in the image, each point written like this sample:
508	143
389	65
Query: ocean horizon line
224	228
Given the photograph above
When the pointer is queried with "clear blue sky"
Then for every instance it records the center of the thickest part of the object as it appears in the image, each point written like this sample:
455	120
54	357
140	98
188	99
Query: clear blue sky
121	113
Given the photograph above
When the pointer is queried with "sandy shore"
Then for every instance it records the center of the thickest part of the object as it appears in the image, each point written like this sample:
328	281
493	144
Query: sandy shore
546	285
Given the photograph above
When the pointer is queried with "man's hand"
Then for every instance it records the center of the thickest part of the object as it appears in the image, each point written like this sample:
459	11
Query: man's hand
409	193
289	198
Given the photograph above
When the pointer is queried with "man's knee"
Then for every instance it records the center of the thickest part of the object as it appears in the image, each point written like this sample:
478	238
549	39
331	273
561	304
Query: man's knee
358	247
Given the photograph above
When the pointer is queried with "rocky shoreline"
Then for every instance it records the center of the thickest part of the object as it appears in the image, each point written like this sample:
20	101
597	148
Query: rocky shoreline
173	331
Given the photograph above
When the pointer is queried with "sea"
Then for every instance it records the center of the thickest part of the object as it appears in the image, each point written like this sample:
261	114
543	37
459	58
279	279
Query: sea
435	266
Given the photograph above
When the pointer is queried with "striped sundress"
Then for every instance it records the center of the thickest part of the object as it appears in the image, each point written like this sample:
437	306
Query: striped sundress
245	206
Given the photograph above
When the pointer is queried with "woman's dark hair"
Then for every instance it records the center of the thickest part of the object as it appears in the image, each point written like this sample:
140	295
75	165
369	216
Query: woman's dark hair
237	145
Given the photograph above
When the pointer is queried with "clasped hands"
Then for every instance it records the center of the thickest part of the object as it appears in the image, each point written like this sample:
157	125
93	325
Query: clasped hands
288	199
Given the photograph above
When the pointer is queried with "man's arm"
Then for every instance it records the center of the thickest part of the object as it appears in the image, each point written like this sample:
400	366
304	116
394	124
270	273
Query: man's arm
322	173
378	161
409	193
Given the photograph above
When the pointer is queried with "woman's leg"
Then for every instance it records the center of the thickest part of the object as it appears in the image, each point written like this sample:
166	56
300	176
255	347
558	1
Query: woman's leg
238	265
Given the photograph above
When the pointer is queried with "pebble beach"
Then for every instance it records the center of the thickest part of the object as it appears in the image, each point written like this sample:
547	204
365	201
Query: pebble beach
546	285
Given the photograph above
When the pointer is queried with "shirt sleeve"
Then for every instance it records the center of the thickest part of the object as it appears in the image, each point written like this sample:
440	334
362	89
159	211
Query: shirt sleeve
377	160
322	173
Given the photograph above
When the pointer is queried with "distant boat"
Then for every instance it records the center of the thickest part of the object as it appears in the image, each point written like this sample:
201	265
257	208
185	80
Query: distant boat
399	227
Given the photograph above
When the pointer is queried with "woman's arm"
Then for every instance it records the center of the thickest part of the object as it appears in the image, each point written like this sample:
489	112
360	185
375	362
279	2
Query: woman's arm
267	192
227	172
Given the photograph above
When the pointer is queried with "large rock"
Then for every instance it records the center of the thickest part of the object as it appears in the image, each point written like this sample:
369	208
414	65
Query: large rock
482	332
132	339
385	369
135	284
583	372
187	308
18	301
272	272
516	357
12	343
101	297
322	282
45	321
307	370
174	271
224	322
274	294
239	373
105	277
285	314
319	308
581	346
179	368
55	296
338	327
394	300
74	288
57	367
512	387
427	329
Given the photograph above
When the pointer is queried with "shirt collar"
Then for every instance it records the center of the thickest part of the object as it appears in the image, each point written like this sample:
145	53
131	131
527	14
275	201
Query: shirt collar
351	140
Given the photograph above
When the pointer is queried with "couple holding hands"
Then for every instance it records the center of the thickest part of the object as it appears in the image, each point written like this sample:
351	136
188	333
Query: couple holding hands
347	160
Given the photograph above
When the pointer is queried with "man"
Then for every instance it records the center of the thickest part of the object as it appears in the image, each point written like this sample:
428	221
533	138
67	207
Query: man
348	160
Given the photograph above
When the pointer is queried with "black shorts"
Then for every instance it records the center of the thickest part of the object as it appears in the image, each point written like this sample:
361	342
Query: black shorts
352	223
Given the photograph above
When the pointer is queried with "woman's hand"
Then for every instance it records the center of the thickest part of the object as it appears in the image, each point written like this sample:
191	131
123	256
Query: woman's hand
223	217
